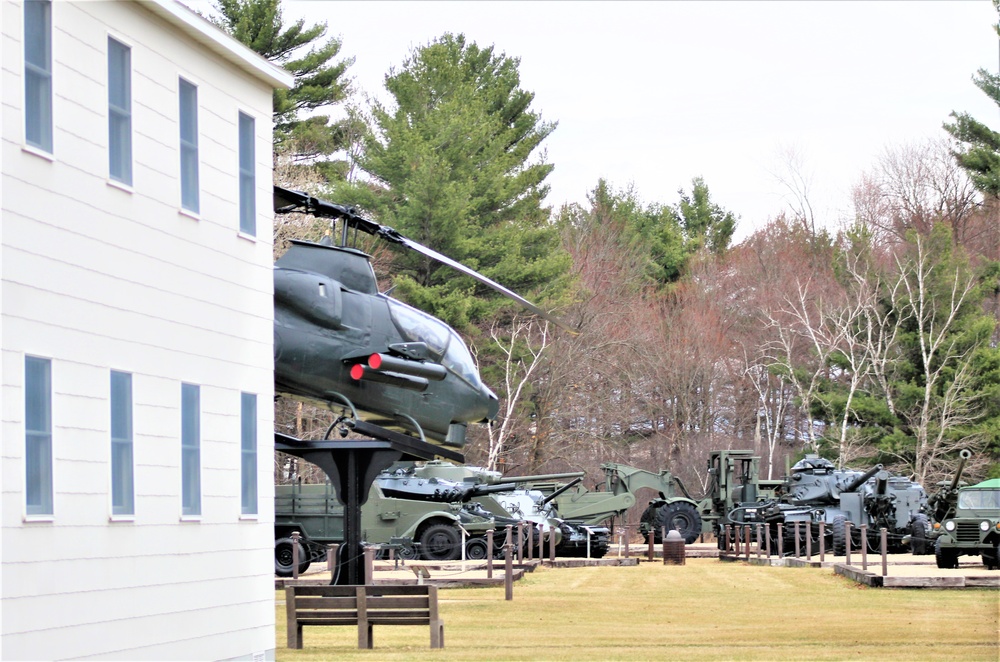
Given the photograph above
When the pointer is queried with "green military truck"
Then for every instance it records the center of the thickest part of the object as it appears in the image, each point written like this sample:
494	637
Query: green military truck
973	528
430	528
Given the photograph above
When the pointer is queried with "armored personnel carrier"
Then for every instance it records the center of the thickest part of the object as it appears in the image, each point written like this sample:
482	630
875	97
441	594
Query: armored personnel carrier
522	504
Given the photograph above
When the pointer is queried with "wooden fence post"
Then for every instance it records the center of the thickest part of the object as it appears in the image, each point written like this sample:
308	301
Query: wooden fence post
864	547
295	554
885	548
508	576
489	554
369	565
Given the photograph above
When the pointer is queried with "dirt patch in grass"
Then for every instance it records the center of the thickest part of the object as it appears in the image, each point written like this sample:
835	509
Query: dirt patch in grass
704	610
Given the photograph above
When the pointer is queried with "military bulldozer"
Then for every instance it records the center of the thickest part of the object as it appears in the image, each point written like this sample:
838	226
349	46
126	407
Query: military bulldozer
672	508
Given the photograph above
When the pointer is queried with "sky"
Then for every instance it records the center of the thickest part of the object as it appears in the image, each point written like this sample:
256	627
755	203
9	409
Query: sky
653	94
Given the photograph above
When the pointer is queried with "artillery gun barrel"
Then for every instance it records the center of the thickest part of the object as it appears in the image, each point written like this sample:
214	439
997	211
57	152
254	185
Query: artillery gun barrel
965	455
863	478
562	489
881	482
481	490
543	478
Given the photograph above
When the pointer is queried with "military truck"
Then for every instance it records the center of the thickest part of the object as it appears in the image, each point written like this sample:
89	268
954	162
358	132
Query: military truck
420	509
429	526
973	528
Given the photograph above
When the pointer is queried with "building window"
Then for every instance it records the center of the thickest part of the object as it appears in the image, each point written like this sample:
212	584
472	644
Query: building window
248	459
38	74
38	435
248	206
122	486
188	94
190	449
119	111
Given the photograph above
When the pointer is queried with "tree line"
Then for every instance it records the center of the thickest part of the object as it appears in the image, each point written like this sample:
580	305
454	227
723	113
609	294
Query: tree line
876	341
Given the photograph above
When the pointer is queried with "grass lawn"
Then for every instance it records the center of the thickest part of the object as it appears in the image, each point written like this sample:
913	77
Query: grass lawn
705	610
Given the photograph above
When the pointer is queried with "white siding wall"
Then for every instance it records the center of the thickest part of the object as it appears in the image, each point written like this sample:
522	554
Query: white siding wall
100	278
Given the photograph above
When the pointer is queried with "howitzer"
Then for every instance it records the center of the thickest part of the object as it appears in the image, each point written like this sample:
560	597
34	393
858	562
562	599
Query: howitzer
942	504
863	478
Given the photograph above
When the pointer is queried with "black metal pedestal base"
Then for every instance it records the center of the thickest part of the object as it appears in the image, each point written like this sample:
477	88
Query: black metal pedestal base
352	466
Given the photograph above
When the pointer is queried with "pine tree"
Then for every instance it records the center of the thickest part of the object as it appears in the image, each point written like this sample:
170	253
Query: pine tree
452	166
981	155
319	82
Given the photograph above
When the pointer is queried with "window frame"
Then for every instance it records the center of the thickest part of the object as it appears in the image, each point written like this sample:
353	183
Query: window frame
35	437
190	451
39	73
190	181
246	166
121	434
120	116
249	494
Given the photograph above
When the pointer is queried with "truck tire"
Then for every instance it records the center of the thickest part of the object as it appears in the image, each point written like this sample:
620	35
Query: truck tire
946	557
476	549
283	551
991	559
839	534
678	515
919	528
440	542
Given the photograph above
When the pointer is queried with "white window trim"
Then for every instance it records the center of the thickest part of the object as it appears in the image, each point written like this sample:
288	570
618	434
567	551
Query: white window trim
191	517
125	186
112	515
239	175
25	515
180	173
32	149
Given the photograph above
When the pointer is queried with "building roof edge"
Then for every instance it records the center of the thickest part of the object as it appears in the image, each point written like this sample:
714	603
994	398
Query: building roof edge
216	40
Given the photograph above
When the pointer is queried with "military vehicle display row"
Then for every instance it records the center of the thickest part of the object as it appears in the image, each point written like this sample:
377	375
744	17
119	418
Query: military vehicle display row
424	510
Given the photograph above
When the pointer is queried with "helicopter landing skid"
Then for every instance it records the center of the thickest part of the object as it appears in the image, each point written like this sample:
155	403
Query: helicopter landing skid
352	465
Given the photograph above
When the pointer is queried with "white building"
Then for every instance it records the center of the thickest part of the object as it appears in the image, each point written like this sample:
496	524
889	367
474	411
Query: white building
137	363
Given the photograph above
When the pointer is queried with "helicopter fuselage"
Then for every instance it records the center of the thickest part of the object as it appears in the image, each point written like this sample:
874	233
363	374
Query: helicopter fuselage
337	339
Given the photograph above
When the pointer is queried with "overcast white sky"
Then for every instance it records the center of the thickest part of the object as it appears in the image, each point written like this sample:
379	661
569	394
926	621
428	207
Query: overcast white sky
656	93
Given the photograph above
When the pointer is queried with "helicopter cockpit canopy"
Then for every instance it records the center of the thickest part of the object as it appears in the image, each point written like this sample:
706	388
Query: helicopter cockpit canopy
444	345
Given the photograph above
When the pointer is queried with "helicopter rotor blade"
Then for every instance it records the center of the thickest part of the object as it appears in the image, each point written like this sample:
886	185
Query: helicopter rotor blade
458	266
287	200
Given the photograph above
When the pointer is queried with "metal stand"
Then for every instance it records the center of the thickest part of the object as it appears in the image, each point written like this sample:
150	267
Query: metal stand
352	466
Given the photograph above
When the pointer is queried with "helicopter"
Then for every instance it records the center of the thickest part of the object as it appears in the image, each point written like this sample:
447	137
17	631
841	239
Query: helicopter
340	342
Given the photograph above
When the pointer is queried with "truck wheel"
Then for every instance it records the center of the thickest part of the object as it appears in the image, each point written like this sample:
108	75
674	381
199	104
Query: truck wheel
919	528
945	556
476	549
440	542
839	535
283	552
679	515
991	559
